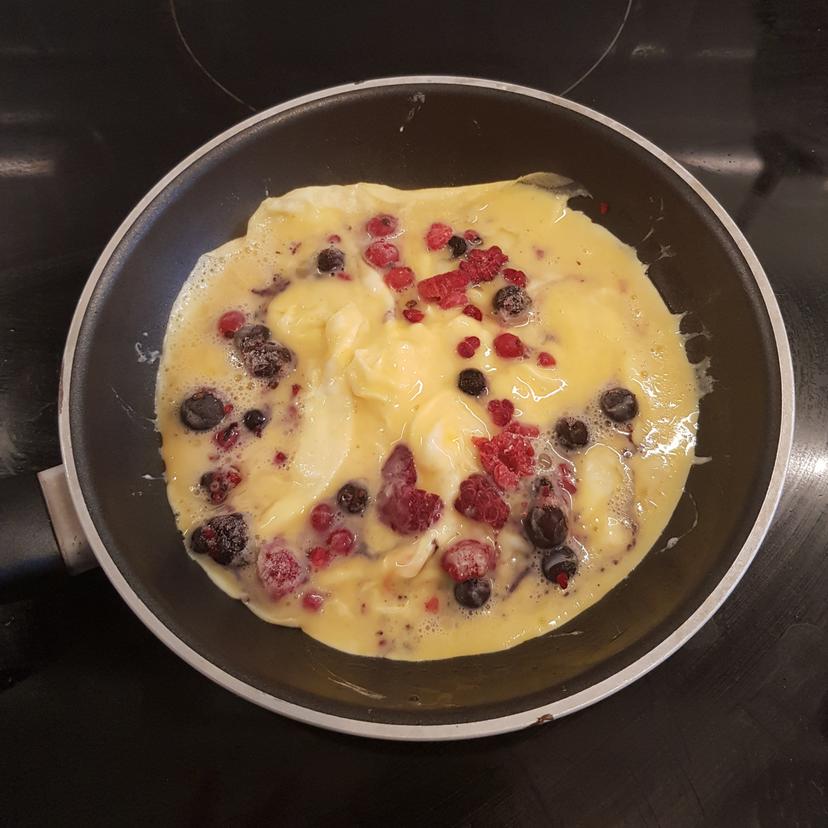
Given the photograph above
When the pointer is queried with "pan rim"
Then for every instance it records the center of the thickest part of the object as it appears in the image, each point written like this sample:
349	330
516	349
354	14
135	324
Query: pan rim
513	721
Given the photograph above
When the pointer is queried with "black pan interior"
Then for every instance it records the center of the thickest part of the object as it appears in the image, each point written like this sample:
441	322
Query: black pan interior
459	135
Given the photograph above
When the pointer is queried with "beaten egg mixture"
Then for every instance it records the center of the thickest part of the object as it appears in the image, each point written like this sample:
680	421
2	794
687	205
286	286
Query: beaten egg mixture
311	397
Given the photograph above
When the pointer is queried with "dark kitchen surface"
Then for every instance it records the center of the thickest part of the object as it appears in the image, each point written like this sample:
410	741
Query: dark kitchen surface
100	724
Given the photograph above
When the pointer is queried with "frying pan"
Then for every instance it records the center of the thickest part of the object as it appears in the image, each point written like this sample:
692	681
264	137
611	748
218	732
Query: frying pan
414	132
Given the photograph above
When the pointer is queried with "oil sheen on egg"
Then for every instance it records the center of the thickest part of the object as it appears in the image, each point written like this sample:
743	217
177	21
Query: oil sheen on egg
367	379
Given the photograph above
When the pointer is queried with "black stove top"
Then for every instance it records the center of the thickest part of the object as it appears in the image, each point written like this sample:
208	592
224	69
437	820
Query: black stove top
100	723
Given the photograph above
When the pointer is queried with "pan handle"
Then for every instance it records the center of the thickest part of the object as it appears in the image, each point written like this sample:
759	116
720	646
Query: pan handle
42	537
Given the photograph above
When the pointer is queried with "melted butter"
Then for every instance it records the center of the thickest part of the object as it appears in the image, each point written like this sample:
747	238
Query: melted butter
370	379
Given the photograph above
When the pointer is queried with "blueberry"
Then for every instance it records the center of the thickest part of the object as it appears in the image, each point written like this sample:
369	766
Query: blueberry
330	260
262	357
352	499
511	303
619	404
473	593
458	246
472	382
254	420
571	433
558	560
248	336
545	526
202	411
223	538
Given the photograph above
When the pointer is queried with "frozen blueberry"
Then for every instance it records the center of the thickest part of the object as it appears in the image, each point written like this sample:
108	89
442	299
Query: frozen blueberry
471	382
511	303
558	560
545	526
254	420
224	538
619	404
571	433
458	246
250	335
352	499
262	357
330	260
202	411
473	593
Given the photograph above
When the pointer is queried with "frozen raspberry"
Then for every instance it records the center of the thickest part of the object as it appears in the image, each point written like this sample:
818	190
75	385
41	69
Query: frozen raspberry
508	456
445	288
279	571
413	315
437	236
516	277
407	510
501	411
466	347
320	557
483	265
474	312
508	346
433	604
313	600
469	559
381	225
546	360
218	483
399	278
399	467
341	542
230	322
226	438
480	500
381	254
321	517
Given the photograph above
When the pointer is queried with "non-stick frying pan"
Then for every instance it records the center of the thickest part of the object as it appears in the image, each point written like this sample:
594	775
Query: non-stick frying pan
417	132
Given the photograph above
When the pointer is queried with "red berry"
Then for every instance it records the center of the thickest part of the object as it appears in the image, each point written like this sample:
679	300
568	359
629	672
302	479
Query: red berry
226	438
469	559
480	500
279	571
320	557
413	315
313	601
219	483
603	208
295	389
334	239
400	467
399	278
341	542
230	322
563	580
474	312
321	517
516	277
280	458
508	346
545	359
468	346
407	510
345	277
381	225
508	456
381	254
437	236
565	471
446	288
501	411
483	265
472	237
433	604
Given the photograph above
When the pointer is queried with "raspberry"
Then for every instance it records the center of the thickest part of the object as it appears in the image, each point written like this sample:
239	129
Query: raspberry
341	542
381	254
483	265
508	456
453	300
279	571
413	315
469	559
433	604
501	411
474	312
321	517
230	322
508	346
320	557
546	360
466	347
313	601
437	236
226	438
444	285
407	510
219	483
399	467
399	278
480	500
381	225
516	277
